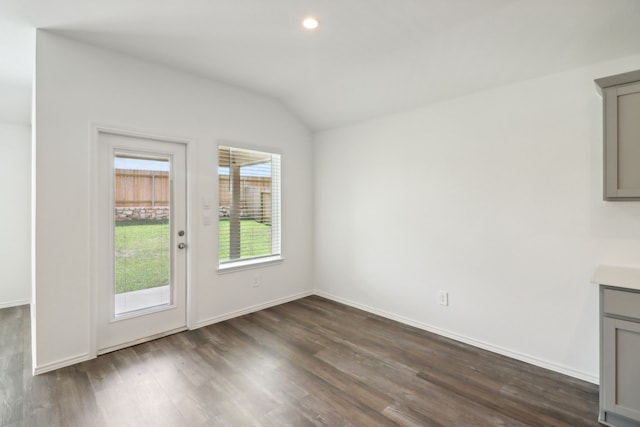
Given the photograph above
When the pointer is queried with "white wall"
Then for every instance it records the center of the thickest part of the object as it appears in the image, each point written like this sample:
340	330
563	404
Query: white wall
77	85
496	198
15	214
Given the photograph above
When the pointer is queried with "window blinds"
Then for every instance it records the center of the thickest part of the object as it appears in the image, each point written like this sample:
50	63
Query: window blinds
249	204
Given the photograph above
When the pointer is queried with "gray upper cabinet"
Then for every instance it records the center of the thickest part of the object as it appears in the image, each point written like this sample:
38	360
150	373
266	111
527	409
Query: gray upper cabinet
621	105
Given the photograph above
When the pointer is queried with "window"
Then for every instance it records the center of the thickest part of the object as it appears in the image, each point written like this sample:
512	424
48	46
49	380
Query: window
249	205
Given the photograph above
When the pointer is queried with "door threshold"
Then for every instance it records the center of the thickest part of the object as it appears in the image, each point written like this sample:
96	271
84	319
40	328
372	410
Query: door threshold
140	341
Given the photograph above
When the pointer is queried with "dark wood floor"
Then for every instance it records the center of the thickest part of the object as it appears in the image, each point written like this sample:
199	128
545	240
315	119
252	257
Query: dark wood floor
308	362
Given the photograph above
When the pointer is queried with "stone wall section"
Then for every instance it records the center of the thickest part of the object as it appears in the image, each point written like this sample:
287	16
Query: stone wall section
129	213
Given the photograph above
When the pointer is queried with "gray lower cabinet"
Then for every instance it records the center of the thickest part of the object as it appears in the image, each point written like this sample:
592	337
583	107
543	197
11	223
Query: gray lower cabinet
619	357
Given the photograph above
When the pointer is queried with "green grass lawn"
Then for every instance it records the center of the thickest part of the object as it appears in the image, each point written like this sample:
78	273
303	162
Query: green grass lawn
142	255
142	250
255	239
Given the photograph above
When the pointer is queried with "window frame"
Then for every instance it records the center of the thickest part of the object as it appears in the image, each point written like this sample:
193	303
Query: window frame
255	262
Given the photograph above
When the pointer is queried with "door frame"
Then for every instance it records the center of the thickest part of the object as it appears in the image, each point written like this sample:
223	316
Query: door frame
94	227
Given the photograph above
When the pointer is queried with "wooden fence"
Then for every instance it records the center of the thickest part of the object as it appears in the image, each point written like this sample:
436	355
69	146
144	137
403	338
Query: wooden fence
144	188
141	188
255	197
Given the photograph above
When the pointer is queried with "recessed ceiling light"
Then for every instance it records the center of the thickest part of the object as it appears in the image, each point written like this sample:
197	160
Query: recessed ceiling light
310	23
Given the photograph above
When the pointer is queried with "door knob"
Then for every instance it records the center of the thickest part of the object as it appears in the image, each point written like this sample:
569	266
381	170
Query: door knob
181	245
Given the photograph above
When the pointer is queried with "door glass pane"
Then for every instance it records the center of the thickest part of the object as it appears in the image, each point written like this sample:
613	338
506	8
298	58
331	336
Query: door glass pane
142	233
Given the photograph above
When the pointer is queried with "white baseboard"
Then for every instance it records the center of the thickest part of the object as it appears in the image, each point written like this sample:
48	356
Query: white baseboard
63	363
461	338
14	303
467	340
252	309
86	356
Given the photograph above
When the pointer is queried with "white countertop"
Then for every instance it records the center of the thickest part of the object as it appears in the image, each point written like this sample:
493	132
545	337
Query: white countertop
612	275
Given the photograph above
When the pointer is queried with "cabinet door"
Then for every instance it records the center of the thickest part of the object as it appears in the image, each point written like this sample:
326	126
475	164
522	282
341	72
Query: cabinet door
621	366
622	142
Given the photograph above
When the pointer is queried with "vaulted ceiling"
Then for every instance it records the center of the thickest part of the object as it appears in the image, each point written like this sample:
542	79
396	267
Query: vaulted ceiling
367	58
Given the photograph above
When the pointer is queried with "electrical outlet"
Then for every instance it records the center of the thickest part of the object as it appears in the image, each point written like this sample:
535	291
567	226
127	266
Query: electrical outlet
256	281
443	298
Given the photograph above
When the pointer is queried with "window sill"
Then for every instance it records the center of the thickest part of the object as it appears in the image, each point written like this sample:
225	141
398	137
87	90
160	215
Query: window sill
249	264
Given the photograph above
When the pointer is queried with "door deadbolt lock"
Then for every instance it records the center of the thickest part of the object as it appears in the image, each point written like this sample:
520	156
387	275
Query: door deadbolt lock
181	233
181	245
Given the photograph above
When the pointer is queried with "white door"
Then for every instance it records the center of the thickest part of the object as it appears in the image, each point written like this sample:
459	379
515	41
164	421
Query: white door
141	240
